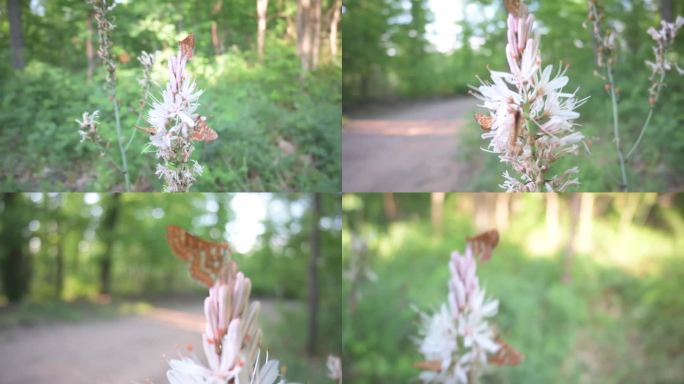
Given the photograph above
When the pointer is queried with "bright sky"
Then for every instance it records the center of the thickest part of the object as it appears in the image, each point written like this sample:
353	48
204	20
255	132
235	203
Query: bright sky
250	210
443	32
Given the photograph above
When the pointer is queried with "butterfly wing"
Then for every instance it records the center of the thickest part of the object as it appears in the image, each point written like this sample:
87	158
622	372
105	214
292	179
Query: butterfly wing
483	244
187	46
202	131
513	6
506	355
207	258
484	121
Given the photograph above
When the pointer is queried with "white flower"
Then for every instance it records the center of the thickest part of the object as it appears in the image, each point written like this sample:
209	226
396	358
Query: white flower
439	342
334	365
189	371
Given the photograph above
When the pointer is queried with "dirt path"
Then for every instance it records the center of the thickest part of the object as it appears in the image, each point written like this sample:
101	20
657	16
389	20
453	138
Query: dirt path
120	351
408	148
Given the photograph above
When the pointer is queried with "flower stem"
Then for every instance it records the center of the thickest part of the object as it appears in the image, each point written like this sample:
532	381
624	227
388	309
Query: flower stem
648	117
616	128
119	140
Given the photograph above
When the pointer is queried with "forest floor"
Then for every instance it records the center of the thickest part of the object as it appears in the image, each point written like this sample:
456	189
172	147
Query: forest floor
409	147
129	349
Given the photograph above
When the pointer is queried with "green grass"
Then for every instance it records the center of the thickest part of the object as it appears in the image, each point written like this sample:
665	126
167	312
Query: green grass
53	311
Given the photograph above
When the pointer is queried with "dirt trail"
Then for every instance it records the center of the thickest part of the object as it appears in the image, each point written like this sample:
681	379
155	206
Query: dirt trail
119	351
408	148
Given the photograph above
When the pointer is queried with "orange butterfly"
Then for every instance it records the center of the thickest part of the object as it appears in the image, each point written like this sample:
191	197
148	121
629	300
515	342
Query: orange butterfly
506	355
187	46
202	132
483	244
484	121
207	258
513	6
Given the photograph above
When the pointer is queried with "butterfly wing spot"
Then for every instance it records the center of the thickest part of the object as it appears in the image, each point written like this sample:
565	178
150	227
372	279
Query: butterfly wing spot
207	258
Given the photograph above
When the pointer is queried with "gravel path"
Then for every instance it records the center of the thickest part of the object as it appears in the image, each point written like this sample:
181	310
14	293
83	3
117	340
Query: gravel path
124	350
407	148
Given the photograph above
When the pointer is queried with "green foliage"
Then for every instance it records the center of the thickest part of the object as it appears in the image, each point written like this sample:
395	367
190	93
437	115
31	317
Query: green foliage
614	309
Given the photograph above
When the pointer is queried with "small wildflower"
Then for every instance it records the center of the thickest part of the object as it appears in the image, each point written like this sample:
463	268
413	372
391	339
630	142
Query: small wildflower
664	39
88	126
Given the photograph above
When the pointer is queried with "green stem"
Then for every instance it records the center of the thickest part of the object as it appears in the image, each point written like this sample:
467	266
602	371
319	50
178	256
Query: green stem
616	128
648	118
137	121
119	140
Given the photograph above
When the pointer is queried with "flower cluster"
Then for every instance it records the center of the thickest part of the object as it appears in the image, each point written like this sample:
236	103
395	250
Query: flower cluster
88	127
174	122
530	120
664	38
457	340
231	339
104	33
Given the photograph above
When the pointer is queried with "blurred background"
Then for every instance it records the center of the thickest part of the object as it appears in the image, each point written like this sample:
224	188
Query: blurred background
589	285
408	64
277	119
91	292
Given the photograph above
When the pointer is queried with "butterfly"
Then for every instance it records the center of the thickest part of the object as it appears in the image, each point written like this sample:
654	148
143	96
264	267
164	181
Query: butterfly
483	244
513	6
207	258
484	121
431	365
187	45
506	355
202	132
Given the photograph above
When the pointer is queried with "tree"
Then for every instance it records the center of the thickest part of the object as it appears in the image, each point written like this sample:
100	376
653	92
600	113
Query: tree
334	22
315	32
304	33
16	36
14	261
313	275
108	237
262	8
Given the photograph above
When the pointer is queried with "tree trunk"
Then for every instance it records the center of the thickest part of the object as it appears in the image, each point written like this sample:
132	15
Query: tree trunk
503	207
215	41
334	24
90	52
553	219
666	10
304	33
390	206
315	33
107	235
59	275
575	208
313	276
262	9
14	263
437	211
16	37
